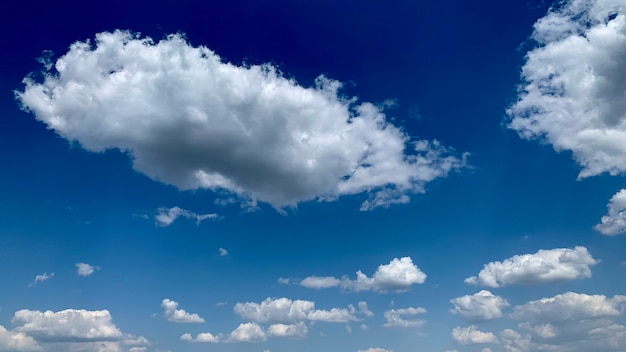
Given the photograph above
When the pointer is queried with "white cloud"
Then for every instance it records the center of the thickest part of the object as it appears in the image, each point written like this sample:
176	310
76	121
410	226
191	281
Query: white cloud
41	278
375	350
471	335
614	223
394	319
191	120
16	341
204	337
574	84
545	266
68	325
288	330
178	315
363	309
248	332
568	322
318	282
486	349
167	216
283	280
84	269
399	275
480	306
223	252
284	310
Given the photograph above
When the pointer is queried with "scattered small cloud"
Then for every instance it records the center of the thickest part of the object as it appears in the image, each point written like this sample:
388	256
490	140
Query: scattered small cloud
395	320
471	335
481	306
223	252
166	216
84	269
41	278
178	315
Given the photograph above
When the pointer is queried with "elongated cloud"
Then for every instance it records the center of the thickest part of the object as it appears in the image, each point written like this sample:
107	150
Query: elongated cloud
573	91
395	319
481	306
178	315
285	310
188	119
399	275
471	335
614	222
545	266
17	341
167	216
41	278
67	325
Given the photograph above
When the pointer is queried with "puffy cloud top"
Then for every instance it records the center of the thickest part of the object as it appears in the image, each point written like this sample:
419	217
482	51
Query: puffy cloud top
614	223
570	306
285	310
178	315
573	94
471	335
190	120
480	306
545	266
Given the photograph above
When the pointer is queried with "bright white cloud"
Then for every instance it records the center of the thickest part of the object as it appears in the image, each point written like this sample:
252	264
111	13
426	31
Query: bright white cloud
399	275
471	335
288	330
480	306
204	337
568	322
614	223
167	216
248	332
41	278
573	94
223	252
178	315
318	282
70	325
84	269
284	310
376	349
16	341
545	266
191	120
394	319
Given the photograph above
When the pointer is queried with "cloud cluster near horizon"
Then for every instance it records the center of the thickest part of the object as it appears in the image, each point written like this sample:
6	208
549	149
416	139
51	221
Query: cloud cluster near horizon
190	120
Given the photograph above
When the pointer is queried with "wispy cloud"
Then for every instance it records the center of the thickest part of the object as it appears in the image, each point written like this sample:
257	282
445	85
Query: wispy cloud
41	278
166	216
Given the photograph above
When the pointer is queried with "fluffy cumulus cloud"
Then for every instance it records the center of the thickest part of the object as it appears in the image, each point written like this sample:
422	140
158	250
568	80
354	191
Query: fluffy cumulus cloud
205	337
568	322
41	278
284	310
545	266
167	216
288	330
614	223
191	120
16	341
399	275
248	332
84	269
395	319
481	306
573	94
471	335
178	315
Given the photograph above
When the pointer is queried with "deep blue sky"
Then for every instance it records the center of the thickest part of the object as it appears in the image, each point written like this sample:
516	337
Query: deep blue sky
452	72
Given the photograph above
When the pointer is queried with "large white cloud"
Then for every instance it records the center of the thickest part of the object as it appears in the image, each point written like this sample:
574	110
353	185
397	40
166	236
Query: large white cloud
480	306
395	320
573	94
399	275
178	315
568	322
190	120
614	222
471	335
17	341
545	266
285	310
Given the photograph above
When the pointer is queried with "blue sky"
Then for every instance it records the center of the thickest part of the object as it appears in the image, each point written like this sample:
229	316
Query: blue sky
306	176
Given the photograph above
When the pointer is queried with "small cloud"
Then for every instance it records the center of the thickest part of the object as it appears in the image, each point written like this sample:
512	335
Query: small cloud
223	252
166	216
84	269
179	315
284	281
614	222
221	304
40	278
394	319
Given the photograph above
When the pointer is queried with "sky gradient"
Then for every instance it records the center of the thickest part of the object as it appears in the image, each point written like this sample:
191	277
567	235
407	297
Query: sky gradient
313	176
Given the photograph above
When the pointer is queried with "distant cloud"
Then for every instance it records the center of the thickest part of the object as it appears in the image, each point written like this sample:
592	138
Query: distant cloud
545	266
191	120
41	278
167	216
471	335
481	306
395	320
375	350
223	252
284	310
614	223
248	332
288	330
573	84
178	315
283	280
204	337
84	269
568	322
399	275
